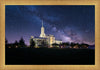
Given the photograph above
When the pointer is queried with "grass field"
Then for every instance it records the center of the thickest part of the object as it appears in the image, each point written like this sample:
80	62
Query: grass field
49	56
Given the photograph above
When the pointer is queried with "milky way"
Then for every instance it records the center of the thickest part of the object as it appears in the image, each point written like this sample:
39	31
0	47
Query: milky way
66	23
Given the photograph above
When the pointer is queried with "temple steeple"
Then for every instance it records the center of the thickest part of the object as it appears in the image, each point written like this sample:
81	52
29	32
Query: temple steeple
42	23
42	31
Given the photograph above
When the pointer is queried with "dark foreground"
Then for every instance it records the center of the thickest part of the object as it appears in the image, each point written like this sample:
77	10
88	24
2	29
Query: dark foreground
48	56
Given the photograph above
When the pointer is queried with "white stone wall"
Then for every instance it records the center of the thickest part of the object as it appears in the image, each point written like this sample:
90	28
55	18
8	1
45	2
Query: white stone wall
58	42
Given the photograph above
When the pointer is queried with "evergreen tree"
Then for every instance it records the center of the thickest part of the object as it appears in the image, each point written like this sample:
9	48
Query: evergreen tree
21	42
6	43
67	44
72	44
32	43
16	44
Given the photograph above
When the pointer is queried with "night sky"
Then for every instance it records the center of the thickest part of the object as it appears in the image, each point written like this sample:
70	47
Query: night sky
66	23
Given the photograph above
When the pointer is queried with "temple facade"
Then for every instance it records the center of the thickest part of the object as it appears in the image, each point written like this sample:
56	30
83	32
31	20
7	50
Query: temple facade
45	39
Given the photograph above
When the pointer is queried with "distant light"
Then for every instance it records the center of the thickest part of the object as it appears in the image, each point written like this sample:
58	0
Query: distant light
16	46
70	47
9	47
61	46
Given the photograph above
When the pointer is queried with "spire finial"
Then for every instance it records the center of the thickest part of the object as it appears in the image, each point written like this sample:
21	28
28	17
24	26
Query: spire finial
42	23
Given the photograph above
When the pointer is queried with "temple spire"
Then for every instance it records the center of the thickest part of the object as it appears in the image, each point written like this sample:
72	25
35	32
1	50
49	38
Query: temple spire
42	23
42	31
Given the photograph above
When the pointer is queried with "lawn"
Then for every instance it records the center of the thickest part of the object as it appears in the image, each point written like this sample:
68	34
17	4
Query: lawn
49	56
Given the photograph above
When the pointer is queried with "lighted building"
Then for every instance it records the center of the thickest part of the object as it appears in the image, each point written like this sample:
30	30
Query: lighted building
58	41
47	39
42	31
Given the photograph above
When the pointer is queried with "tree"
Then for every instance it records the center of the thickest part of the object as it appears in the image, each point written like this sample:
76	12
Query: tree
64	44
32	43
83	45
21	42
44	43
6	43
55	45
72	44
16	44
67	44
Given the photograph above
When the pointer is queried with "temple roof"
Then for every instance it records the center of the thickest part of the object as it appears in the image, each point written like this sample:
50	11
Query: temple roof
40	38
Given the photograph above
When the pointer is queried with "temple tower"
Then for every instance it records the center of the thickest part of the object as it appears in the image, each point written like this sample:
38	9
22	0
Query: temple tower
42	31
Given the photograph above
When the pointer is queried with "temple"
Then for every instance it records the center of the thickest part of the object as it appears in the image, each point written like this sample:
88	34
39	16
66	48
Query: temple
45	39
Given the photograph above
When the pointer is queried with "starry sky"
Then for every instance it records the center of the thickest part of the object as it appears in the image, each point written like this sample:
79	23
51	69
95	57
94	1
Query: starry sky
69	23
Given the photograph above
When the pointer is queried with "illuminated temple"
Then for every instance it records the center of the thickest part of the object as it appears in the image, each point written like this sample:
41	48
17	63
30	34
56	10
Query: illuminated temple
49	39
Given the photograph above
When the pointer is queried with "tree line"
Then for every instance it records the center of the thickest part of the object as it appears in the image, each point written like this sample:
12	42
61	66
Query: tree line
70	45
16	44
21	44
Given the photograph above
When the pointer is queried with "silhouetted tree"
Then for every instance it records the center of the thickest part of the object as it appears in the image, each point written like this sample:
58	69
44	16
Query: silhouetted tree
44	43
83	45
64	44
16	44
67	44
32	43
6	43
72	44
21	42
55	45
